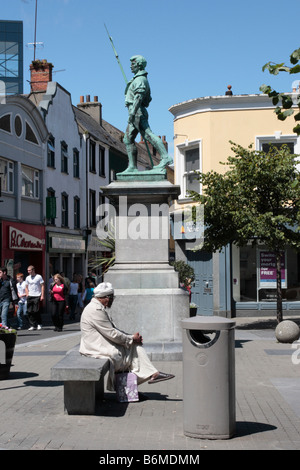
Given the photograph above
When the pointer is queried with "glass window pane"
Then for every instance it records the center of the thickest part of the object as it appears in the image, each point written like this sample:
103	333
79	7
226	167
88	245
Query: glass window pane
27	182
192	159
192	182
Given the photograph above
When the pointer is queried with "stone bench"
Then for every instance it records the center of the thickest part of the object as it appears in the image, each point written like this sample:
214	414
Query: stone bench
83	379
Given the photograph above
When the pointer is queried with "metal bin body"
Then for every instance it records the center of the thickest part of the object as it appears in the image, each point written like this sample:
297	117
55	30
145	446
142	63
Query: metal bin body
208	377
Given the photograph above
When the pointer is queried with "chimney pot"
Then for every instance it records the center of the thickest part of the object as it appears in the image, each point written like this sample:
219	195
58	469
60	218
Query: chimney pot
88	98
96	99
82	99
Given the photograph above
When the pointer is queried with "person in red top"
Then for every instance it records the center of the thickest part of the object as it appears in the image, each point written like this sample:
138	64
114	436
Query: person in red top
58	291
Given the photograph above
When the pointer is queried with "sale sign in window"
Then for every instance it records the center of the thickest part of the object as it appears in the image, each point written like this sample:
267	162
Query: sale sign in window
267	270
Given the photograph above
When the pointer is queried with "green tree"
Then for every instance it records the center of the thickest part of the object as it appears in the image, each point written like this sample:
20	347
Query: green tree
257	198
185	271
283	101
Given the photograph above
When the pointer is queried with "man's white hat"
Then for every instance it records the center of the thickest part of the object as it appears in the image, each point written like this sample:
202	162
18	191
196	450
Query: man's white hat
103	289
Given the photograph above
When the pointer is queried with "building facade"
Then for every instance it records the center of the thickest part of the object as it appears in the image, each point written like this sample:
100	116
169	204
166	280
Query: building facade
231	282
23	141
11	57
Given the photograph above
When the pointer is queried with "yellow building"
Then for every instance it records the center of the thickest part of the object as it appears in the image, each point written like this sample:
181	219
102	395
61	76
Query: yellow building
232	282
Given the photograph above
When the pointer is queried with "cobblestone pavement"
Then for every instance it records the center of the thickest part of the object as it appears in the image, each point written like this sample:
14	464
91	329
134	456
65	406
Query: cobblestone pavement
267	402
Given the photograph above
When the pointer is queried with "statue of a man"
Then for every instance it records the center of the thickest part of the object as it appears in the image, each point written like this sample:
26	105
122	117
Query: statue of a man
137	99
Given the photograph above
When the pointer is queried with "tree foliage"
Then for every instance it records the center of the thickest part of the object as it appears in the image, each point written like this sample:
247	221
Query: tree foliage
109	243
257	198
283	101
185	271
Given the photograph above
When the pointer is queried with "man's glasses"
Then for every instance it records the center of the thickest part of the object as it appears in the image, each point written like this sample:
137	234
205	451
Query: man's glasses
111	297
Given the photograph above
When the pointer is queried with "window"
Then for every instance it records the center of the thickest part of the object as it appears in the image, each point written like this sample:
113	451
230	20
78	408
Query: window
92	156
64	157
5	123
64	210
92	207
7	175
51	152
189	161
75	163
266	147
76	212
30	135
254	274
51	206
18	126
277	140
101	161
30	182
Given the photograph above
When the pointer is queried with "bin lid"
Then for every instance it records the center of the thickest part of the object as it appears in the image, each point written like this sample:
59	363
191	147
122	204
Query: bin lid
207	322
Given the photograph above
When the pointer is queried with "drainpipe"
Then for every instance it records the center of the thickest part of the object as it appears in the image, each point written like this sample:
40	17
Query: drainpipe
86	139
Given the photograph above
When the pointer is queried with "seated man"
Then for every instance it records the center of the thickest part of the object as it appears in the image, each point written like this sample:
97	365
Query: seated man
100	338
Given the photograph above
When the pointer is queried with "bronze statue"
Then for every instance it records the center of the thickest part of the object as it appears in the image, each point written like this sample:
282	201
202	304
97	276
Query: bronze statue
137	99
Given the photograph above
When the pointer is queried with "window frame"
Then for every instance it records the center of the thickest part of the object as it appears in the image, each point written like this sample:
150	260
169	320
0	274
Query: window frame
35	185
181	173
64	157
92	208
92	159
102	161
50	152
76	172
64	209
76	210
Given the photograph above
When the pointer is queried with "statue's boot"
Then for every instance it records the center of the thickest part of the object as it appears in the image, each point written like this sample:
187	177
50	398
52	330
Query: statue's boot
132	158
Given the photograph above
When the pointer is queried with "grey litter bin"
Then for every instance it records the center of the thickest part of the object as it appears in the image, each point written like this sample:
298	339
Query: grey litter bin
208	377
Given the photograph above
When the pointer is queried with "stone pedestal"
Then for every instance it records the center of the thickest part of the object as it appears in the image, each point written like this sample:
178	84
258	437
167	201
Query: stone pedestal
148	297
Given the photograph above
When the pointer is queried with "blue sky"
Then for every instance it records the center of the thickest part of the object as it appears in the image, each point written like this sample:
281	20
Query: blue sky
194	48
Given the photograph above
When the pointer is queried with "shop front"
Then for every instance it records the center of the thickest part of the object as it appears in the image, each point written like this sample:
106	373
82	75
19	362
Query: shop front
22	245
65	253
254	279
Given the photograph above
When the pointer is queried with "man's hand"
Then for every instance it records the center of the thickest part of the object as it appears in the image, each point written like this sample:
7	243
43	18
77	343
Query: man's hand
137	338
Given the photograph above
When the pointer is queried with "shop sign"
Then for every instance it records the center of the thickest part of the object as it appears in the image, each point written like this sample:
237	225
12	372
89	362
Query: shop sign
267	270
71	244
19	240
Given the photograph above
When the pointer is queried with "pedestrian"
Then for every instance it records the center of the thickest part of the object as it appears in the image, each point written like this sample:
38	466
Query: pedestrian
35	291
88	293
81	290
101	338
22	304
73	297
58	293
8	294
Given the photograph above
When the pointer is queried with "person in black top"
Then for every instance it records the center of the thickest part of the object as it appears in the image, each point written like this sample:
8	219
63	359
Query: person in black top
8	294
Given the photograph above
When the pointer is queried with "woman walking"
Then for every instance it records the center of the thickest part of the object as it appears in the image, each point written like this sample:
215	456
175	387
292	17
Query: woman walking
58	292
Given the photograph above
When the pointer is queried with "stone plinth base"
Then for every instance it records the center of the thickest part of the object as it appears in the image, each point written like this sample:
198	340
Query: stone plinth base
148	299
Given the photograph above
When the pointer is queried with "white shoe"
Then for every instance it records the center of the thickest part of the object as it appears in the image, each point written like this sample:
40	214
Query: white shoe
31	328
39	327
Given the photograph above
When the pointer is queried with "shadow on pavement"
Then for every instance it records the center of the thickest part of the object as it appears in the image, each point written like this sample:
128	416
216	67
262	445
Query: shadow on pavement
245	428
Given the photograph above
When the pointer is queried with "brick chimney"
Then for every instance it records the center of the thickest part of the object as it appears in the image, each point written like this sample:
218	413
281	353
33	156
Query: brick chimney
93	108
40	75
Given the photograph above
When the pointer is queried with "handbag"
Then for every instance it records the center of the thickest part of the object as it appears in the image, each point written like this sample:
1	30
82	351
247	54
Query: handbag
126	387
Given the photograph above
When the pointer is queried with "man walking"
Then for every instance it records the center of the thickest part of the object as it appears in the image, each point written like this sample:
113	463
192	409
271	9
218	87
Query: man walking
35	291
8	294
